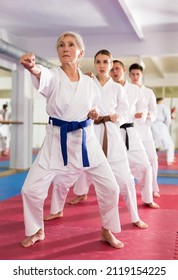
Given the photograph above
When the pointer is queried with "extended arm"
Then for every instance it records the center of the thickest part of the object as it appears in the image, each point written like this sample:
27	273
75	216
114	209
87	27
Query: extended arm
28	61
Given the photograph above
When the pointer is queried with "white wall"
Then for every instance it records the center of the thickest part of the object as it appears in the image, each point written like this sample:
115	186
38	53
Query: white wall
39	116
171	102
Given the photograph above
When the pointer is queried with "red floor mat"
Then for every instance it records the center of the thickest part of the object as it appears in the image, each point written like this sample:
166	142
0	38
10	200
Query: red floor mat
76	236
163	163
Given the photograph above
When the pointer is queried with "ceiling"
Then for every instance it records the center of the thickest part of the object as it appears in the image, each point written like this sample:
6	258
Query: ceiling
132	30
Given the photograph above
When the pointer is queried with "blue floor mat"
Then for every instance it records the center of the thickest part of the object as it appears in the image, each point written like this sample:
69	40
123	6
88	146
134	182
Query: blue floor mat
4	168
168	181
4	163
11	185
168	171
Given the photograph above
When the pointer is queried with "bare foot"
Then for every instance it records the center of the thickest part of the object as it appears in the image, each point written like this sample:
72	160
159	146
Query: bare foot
141	224
153	205
107	236
156	194
53	216
78	199
29	241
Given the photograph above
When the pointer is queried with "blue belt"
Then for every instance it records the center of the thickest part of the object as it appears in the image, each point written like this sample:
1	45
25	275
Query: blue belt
68	127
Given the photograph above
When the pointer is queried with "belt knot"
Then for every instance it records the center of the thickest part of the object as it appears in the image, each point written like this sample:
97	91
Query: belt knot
69	127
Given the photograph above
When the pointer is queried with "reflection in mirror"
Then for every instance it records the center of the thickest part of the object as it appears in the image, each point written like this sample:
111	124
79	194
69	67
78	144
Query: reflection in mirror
5	116
170	95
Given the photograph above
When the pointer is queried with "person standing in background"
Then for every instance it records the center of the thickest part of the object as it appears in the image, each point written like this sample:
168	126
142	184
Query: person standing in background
173	113
4	130
161	131
137	157
144	128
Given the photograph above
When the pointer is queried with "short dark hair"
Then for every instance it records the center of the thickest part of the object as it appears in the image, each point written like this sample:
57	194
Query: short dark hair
4	106
159	99
120	62
135	66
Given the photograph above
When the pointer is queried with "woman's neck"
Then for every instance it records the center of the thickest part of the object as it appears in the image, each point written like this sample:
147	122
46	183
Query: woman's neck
72	72
103	80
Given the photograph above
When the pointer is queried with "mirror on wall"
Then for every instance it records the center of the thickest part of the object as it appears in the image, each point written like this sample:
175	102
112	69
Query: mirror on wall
40	120
5	115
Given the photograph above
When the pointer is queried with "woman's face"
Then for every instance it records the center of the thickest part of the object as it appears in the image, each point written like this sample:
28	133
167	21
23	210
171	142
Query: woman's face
103	65
68	50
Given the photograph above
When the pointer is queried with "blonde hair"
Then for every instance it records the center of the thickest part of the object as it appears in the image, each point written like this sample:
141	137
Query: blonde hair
77	37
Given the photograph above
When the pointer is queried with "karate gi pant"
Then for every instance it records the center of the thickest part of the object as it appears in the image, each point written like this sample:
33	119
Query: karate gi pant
38	181
3	145
142	171
153	159
124	178
170	152
163	140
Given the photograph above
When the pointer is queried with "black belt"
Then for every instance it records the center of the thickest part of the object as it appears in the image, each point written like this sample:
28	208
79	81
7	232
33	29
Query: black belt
125	126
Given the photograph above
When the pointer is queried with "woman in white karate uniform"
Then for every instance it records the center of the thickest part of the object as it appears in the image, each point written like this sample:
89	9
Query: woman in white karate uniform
70	145
113	110
161	133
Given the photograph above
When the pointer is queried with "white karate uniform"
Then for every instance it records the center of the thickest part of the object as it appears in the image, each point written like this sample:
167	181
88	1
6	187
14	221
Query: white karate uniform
144	130
137	157
161	133
113	101
66	103
2	142
4	131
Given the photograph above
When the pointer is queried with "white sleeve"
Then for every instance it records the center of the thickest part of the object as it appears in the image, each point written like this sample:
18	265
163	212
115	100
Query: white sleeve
45	84
167	116
152	107
141	106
